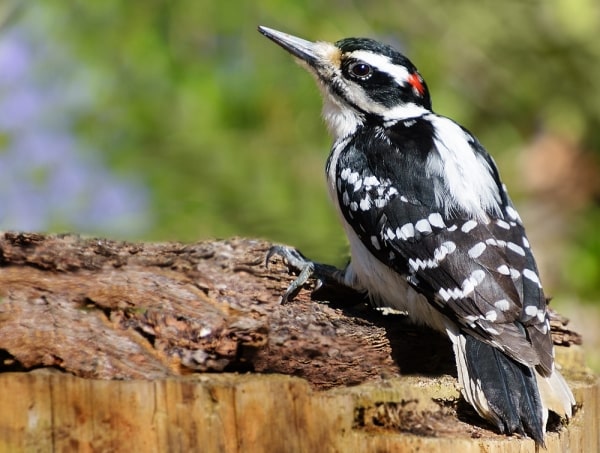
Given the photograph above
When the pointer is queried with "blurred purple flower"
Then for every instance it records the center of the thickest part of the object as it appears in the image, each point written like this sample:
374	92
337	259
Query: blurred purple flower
48	178
15	59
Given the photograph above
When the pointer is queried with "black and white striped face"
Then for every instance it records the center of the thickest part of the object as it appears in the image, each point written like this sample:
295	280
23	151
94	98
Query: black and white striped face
361	79
378	80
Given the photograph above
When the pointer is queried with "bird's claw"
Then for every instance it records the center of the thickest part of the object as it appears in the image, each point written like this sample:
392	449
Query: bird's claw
299	263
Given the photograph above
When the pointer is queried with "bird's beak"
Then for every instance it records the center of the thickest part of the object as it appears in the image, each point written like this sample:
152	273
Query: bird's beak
304	50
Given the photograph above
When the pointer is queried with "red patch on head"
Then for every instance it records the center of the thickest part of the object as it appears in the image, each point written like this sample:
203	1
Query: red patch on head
416	82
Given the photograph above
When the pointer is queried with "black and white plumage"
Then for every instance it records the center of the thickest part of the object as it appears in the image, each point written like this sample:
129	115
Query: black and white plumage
432	230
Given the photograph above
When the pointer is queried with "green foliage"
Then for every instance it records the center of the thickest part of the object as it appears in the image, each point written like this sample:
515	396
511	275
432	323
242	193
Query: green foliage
225	130
582	269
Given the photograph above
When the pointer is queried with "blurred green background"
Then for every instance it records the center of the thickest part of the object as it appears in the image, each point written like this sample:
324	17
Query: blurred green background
176	120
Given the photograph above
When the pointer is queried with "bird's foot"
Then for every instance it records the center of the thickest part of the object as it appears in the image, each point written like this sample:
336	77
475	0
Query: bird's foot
307	269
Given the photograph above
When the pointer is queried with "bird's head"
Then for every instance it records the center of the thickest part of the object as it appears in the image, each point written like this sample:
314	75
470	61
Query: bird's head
361	80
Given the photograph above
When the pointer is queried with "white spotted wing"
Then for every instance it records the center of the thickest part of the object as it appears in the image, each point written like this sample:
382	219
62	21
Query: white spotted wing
477	269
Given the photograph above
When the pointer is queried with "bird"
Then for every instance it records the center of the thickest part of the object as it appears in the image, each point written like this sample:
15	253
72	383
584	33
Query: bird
432	230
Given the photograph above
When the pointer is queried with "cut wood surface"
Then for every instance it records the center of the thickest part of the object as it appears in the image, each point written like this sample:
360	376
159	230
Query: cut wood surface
115	346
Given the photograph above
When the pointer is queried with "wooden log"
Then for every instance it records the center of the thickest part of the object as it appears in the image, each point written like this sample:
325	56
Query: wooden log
114	346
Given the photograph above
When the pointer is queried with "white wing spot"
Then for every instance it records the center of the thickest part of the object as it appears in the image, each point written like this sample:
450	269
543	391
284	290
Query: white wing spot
450	246
468	226
413	264
407	231
436	220
354	206
467	287
444	294
371	181
531	310
512	213
502	224
502	304
491	316
456	293
470	283
353	177
478	275
404	199
514	273
525	242
452	228
503	269
418	263
357	184
440	253
477	250
423	226
365	203
529	274
496	242
389	234
515	248
443	250
345	173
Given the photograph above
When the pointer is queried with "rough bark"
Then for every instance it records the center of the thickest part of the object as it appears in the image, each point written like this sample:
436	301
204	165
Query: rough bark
117	310
110	310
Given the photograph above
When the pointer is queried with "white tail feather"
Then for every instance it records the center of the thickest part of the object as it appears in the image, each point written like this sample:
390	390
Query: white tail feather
470	388
556	394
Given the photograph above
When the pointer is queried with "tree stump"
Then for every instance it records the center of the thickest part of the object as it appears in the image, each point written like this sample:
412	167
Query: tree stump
116	346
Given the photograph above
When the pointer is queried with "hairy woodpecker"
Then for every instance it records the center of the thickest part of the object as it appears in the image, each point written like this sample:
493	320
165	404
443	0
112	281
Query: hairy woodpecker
432	230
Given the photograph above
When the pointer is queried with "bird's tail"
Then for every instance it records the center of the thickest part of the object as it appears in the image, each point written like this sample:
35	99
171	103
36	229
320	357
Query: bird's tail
556	394
510	395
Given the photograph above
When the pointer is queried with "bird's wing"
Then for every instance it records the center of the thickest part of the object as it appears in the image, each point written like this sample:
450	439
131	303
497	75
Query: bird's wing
480	274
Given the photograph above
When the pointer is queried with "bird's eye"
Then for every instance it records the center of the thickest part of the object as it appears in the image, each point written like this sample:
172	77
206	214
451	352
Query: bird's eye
361	70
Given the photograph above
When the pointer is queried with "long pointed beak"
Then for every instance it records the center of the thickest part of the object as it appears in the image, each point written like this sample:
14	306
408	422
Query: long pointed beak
305	50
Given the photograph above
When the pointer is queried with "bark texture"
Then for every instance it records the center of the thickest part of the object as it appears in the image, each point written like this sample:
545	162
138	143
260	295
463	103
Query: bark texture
117	310
177	317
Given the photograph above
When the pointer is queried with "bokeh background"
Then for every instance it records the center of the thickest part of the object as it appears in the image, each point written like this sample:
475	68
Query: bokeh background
175	120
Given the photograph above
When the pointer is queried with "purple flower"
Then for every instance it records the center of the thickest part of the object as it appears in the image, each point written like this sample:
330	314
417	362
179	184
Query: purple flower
49	179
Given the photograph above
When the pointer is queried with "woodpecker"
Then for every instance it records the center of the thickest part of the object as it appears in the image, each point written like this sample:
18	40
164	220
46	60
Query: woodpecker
432	230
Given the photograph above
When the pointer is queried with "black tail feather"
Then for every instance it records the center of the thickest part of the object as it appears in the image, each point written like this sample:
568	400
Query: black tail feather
510	389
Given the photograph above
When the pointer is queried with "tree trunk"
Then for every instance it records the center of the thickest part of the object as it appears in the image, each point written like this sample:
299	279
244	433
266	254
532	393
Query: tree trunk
115	346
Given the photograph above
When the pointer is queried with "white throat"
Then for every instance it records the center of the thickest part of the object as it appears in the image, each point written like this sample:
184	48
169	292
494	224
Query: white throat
341	120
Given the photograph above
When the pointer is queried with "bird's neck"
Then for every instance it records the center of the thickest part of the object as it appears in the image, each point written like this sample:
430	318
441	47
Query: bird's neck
341	120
